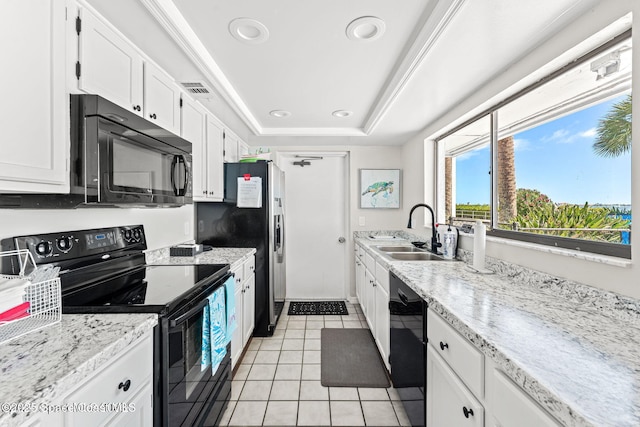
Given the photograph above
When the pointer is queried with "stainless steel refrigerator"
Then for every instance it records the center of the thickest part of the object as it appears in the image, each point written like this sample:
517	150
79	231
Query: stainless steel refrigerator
225	224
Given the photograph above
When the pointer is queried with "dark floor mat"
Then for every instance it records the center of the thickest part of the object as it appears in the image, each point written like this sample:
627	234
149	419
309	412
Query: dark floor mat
317	307
350	358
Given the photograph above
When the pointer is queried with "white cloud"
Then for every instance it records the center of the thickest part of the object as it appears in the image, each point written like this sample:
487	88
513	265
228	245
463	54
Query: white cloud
589	133
521	144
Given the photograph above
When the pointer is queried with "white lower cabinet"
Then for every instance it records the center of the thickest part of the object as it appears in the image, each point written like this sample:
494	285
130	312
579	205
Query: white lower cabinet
372	289
466	389
119	393
245	295
510	405
449	402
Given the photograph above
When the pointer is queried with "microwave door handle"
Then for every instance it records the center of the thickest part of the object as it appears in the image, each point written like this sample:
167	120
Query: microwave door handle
185	180
174	162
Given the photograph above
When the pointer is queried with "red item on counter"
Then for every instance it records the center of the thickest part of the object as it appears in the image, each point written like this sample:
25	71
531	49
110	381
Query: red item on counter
15	313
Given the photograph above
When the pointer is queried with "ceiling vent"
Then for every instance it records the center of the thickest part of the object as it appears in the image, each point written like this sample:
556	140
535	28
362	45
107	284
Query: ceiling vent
197	89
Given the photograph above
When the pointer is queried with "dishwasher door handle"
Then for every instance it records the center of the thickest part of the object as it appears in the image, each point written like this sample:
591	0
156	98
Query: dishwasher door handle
403	298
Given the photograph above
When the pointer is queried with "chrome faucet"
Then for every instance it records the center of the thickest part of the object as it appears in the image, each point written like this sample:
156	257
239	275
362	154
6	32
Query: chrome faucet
434	237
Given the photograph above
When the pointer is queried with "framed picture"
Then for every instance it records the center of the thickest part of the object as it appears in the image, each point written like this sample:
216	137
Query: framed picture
380	188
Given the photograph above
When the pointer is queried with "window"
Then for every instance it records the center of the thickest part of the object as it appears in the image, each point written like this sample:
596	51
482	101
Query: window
561	152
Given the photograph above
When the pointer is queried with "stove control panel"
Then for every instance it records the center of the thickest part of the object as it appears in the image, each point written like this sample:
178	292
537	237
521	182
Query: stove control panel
54	247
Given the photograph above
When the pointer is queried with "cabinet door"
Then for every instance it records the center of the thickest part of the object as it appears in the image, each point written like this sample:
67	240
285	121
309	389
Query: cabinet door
193	129
139	410
237	344
214	165
230	148
449	402
161	99
110	66
359	281
248	309
243	149
382	322
369	296
35	108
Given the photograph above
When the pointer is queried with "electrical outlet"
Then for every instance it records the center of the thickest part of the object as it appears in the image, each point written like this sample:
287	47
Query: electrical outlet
361	221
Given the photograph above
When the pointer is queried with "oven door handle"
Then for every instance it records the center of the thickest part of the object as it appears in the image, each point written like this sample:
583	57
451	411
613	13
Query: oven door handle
181	319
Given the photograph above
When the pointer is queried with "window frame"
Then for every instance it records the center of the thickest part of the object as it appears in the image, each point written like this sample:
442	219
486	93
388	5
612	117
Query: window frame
582	245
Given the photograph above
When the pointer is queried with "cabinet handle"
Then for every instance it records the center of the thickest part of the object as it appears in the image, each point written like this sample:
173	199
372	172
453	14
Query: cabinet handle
136	108
125	385
153	116
442	347
467	412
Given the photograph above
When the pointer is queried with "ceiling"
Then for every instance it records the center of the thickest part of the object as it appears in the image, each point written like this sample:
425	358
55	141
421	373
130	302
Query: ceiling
431	56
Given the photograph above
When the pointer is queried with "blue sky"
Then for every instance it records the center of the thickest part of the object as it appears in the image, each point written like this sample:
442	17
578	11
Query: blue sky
557	159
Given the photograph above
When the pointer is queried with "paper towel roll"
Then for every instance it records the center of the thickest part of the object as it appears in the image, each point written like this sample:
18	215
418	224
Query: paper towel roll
479	244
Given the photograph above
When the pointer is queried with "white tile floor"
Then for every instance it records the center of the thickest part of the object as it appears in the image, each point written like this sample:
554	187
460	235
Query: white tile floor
278	382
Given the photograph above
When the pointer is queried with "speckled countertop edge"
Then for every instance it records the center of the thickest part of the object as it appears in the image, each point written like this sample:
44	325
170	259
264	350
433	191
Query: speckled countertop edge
232	256
45	364
593	345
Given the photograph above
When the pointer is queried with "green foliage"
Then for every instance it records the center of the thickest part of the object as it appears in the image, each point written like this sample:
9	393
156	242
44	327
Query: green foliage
614	130
469	207
573	216
531	200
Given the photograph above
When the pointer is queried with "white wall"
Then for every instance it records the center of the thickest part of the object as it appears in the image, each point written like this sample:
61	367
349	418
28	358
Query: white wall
163	227
623	280
383	157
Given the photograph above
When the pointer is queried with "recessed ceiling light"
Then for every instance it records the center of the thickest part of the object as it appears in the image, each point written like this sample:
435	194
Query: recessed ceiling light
365	28
342	113
280	113
248	30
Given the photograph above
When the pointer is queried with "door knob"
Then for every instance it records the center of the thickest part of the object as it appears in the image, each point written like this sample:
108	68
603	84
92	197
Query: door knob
341	239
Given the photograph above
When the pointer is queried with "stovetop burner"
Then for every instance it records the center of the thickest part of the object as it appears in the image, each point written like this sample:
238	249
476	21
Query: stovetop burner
104	270
152	288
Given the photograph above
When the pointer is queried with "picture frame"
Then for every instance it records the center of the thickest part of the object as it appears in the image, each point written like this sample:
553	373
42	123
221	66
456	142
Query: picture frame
380	188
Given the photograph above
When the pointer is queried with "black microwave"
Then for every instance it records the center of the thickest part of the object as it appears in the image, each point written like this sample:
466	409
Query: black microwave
117	159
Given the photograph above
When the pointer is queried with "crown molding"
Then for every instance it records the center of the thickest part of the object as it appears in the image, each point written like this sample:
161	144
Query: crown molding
272	131
170	18
439	19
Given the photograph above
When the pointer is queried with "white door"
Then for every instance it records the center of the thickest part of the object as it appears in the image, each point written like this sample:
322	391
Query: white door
315	227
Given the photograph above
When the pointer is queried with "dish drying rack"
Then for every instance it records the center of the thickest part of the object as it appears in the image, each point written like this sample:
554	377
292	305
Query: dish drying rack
43	296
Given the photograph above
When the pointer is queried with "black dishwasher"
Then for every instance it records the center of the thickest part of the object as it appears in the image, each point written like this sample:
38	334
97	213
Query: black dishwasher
408	335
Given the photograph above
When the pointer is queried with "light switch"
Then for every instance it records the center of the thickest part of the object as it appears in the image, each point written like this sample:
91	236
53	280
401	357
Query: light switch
361	221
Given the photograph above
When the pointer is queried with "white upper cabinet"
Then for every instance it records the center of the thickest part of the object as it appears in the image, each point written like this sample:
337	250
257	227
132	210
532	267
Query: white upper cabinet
230	148
213	175
109	65
161	98
34	113
194	129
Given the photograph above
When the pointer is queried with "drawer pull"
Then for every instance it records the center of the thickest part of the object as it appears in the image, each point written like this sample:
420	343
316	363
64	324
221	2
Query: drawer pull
467	412
442	347
125	385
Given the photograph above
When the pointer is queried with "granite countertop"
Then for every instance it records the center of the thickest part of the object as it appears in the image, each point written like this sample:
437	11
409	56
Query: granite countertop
579	362
232	256
43	365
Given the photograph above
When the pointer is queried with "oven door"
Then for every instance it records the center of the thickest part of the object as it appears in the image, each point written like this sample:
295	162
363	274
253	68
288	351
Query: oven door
136	169
193	393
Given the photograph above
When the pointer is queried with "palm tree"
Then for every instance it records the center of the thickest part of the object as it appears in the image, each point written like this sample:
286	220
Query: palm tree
507	193
614	130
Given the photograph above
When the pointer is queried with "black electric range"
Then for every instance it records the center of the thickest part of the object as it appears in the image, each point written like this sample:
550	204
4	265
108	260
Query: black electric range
104	271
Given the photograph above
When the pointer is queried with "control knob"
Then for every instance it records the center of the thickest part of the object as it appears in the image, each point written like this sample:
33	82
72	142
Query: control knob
64	243
44	248
127	235
136	234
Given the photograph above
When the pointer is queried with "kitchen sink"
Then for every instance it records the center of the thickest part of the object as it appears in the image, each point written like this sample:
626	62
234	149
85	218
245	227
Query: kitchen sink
399	249
415	256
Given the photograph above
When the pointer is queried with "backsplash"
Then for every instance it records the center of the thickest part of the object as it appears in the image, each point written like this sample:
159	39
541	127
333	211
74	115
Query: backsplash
611	303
